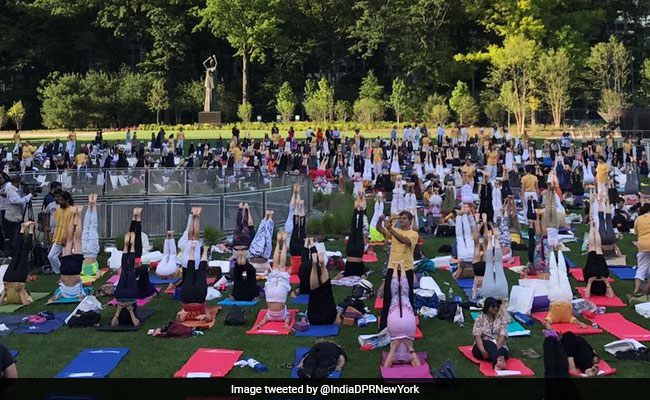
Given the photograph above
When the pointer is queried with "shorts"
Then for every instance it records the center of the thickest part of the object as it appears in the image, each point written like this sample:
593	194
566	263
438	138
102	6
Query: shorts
643	265
277	315
71	265
479	268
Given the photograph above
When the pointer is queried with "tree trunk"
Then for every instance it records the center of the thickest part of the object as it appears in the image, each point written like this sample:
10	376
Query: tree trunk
398	115
244	77
533	121
157	117
557	117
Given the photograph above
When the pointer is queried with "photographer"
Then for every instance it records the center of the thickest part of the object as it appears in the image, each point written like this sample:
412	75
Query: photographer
15	212
62	216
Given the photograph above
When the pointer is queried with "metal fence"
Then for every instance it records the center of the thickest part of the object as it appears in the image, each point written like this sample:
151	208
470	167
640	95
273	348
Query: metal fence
167	196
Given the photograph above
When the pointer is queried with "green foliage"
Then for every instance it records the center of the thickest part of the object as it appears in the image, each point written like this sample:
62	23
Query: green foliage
17	114
64	100
211	235
609	68
285	102
370	87
554	76
342	110
611	105
158	99
368	110
132	90
189	96
314	226
328	224
3	116
645	82
463	104
436	109
119	242
245	111
319	100
399	98
157	243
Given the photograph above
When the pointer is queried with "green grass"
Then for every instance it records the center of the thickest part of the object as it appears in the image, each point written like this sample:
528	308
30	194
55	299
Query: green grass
153	357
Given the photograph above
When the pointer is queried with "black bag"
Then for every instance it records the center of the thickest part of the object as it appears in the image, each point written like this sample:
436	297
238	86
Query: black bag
85	319
236	316
447	311
353	302
40	255
362	291
446	374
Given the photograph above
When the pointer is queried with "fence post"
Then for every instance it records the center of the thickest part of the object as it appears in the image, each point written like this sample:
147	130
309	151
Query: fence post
223	211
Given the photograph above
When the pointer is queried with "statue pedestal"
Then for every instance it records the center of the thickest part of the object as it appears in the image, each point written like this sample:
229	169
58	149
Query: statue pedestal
210	117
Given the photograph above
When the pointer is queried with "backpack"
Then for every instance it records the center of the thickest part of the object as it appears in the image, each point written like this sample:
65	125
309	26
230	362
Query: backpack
447	311
236	316
84	319
363	290
353	302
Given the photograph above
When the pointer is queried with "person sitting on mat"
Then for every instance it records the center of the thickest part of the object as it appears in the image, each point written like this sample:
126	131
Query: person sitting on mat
70	285
277	286
167	267
90	240
490	332
321	309
321	360
298	236
195	289
596	272
573	355
127	287
145	288
244	279
355	247
465	225
642	230
401	323
244	228
16	274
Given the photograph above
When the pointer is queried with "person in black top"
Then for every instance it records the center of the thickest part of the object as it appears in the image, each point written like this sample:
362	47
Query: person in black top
7	364
596	271
321	309
244	278
322	359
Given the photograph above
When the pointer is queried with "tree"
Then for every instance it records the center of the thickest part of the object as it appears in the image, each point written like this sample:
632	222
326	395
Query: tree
436	110
645	80
189	97
319	100
17	114
512	72
131	97
554	69
245	111
369	105
3	116
609	71
342	110
64	101
611	105
463	104
101	88
399	98
285	102
250	26
158	99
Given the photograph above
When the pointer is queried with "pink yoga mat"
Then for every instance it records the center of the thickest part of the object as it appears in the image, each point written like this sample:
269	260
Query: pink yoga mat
293	278
406	371
513	262
579	275
113	279
485	367
272	328
370	258
602	366
602	300
563	328
139	302
214	363
620	327
379	303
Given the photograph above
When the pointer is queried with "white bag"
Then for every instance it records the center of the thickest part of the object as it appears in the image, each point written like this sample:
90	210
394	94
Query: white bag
623	345
89	303
521	300
643	309
539	286
115	261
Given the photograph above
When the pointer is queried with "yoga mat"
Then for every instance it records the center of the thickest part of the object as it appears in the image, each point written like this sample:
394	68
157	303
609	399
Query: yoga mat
379	303
320	331
602	300
514	328
406	371
370	258
203	325
228	302
465	283
44	327
418	332
68	300
301	299
9	308
485	367
93	363
294	279
300	353
513	262
566	327
88	280
141	313
618	326
272	328
569	264
579	275
139	302
113	279
14	353
623	273
154	280
604	369
209	363
468	292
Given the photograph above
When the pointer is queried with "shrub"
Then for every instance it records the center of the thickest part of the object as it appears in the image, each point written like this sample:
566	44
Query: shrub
328	224
211	235
158	244
119	241
245	111
314	226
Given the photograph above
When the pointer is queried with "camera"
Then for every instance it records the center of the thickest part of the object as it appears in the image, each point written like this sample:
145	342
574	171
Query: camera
31	188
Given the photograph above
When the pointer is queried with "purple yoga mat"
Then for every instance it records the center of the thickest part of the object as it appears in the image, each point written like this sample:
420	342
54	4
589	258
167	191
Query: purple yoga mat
406	371
541	303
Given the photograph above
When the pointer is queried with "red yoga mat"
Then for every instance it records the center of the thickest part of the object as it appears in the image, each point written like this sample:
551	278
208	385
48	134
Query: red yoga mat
213	363
485	367
579	275
620	327
602	300
370	258
603	368
294	279
203	325
272	328
564	327
513	262
379	303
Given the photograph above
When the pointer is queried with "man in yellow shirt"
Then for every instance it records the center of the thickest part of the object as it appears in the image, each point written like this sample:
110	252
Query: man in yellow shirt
62	216
529	190
377	159
467	172
404	240
492	159
602	175
27	156
642	230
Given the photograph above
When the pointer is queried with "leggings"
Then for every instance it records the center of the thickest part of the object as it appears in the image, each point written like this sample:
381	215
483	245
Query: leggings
531	245
298	236
388	294
555	360
485	206
379	210
494	281
491	349
464	240
195	287
136	227
355	246
90	236
242	233
606	229
127	288
19	266
262	244
288	224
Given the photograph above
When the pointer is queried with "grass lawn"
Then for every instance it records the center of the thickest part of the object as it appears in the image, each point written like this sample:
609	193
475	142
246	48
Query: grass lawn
153	357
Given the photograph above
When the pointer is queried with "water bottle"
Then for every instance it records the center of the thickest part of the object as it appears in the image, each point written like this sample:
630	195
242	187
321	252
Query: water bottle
256	365
450	294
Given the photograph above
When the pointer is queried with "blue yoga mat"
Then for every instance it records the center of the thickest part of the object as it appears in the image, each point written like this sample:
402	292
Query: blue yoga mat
14	353
320	331
623	273
300	353
68	300
570	264
154	280
44	327
465	283
93	363
301	299
468	292
228	302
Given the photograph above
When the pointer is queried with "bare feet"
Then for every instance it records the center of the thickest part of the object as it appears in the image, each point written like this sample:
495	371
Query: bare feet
501	364
170	234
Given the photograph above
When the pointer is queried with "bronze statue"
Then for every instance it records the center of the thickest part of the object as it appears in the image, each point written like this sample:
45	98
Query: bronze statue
210	65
